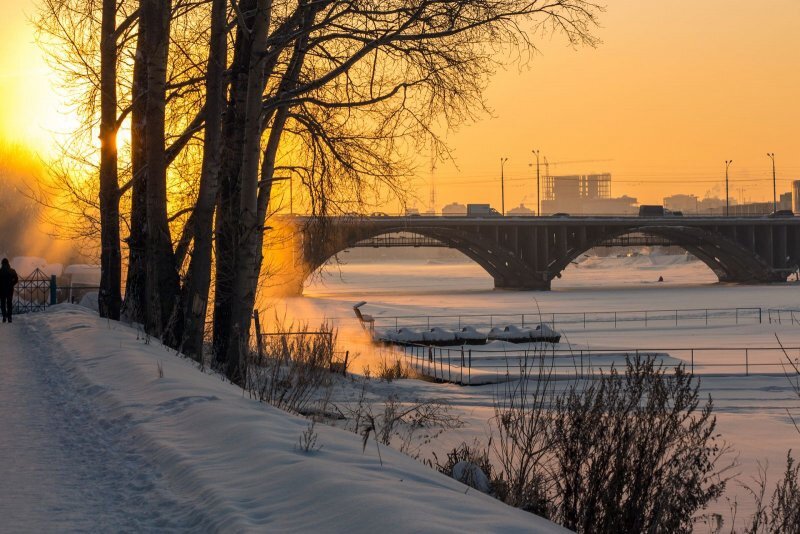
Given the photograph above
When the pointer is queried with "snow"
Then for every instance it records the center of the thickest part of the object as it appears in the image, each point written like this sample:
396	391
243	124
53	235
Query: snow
751	410
90	301
83	274
94	439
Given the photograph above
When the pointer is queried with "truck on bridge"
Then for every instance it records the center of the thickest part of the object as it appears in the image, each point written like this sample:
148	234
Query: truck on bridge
482	210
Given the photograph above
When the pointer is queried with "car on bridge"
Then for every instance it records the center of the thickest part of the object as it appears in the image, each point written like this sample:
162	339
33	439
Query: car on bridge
780	214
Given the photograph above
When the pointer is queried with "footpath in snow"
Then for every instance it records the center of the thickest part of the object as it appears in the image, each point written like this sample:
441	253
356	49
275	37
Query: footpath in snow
92	439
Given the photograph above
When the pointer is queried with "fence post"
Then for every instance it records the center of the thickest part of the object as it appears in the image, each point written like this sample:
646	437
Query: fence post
706	316
469	369
759	316
676	317
53	296
645	318
523	320
462	366
737	315
746	362
692	361
615	319
584	320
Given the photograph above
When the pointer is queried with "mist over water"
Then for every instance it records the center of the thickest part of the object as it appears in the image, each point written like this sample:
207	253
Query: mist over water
24	229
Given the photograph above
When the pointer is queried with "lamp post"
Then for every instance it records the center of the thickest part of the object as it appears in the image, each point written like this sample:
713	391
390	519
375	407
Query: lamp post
538	202
771	155
727	198
502	186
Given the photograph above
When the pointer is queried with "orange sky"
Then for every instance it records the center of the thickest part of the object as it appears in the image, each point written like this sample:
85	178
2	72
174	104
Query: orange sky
675	88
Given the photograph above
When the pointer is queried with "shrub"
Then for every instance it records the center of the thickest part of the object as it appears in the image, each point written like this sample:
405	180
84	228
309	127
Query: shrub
623	452
289	367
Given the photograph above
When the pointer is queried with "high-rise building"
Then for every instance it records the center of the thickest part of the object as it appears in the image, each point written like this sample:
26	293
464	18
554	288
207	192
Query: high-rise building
796	196
584	194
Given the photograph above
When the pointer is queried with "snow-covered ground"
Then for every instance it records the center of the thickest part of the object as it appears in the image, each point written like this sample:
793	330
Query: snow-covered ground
751	410
103	430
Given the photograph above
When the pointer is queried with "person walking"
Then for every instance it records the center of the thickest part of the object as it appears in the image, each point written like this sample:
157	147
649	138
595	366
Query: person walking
8	279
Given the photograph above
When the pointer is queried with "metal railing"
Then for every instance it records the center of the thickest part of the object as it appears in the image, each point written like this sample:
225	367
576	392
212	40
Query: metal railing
34	292
585	320
467	365
783	316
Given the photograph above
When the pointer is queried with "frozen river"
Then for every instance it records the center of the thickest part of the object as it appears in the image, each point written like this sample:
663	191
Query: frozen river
752	410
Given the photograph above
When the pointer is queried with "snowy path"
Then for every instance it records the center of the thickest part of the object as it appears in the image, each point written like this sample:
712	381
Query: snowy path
65	465
94	439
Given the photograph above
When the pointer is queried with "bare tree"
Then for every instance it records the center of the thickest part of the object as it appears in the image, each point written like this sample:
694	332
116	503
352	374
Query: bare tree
198	276
353	81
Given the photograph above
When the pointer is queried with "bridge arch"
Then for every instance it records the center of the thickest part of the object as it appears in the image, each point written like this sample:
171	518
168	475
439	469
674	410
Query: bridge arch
529	254
730	261
502	265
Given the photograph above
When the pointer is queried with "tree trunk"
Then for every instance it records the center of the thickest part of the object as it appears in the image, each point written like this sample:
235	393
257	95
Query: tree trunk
135	292
162	283
110	298
254	195
227	219
198	277
246	258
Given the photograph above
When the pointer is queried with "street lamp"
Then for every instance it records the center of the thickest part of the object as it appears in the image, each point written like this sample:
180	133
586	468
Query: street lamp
502	185
538	202
771	155
727	198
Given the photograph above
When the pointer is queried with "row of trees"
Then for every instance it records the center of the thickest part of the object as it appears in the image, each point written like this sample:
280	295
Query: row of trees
220	97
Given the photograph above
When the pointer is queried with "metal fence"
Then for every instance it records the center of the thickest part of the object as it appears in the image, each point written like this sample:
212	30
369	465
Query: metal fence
38	291
583	320
474	366
789	316
33	293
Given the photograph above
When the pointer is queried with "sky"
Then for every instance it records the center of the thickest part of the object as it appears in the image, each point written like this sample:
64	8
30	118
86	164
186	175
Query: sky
674	89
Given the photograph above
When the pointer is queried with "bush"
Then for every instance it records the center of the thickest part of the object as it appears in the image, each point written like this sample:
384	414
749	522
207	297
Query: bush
289	367
632	452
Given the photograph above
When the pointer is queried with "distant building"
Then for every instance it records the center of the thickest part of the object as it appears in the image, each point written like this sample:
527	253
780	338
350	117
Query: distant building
748	209
521	211
796	196
584	195
454	209
684	203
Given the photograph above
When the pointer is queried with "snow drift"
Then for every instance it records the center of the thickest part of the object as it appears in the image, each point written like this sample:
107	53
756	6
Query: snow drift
239	461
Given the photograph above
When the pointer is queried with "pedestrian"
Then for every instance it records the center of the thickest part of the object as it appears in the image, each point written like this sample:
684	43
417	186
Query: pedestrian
8	279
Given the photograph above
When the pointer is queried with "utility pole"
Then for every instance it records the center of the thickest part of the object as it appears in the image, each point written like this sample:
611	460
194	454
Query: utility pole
538	201
502	186
771	155
727	198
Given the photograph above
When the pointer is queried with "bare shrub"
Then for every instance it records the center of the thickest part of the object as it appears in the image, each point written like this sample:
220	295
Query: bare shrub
473	454
308	439
525	436
392	371
635	452
289	367
782	513
407	425
622	452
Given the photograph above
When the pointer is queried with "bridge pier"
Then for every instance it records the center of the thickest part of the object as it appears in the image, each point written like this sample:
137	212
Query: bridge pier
530	284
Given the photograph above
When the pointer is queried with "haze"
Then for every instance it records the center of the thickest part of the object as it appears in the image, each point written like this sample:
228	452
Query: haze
674	89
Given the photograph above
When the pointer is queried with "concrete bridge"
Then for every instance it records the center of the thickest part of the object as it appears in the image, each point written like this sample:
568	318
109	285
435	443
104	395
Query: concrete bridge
527	253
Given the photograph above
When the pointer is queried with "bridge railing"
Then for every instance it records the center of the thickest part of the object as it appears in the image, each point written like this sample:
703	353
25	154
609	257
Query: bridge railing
467	365
586	320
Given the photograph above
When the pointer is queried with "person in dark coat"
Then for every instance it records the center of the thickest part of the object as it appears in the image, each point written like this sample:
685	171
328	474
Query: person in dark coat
8	279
